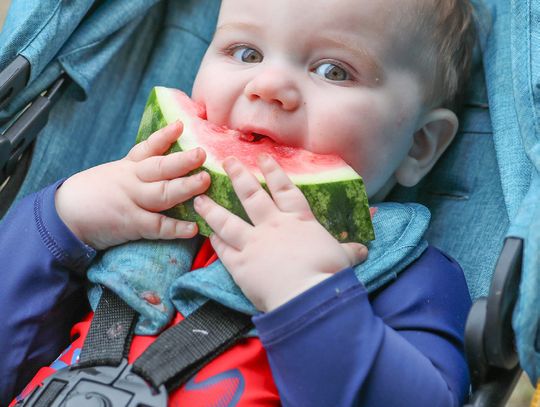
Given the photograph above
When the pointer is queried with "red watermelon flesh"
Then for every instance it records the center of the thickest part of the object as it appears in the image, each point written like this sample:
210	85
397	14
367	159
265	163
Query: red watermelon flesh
335	192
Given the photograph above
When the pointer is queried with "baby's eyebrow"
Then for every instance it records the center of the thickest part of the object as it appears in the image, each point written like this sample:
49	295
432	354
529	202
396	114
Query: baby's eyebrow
238	26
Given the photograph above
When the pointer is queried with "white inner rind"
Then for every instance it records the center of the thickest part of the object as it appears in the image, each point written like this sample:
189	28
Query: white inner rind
172	111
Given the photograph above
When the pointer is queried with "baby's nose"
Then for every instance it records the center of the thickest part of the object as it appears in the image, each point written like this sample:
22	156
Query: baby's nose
276	87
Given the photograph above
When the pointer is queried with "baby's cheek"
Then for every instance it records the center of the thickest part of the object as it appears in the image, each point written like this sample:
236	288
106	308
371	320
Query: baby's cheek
404	123
406	116
206	81
400	121
197	92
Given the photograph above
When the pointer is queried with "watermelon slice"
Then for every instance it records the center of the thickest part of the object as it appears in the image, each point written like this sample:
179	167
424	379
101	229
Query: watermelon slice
334	190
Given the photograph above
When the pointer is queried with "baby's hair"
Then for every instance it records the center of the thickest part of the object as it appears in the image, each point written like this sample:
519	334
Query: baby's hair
452	34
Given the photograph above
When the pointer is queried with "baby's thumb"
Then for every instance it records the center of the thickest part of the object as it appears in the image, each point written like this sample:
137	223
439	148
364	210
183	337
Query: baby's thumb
356	252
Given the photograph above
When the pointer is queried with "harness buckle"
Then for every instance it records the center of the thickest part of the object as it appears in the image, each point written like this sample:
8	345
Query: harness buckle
99	386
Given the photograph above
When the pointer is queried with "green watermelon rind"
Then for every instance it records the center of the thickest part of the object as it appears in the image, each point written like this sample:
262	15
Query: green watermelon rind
326	200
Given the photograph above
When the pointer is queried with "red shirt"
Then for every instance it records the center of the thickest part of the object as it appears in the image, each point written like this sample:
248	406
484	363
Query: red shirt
240	376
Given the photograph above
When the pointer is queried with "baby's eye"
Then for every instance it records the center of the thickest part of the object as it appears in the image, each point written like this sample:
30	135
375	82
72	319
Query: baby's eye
332	72
246	54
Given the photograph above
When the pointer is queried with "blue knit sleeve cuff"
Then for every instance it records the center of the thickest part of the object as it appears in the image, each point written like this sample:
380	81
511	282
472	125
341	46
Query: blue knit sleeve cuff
57	237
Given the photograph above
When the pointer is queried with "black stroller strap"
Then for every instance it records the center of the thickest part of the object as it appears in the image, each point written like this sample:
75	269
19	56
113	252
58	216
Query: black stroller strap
178	352
183	349
102	372
176	355
110	334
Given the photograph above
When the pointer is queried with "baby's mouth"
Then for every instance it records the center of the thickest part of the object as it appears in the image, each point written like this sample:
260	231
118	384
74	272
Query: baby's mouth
253	137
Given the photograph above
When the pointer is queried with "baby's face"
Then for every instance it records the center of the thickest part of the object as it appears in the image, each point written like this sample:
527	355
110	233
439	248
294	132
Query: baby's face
326	76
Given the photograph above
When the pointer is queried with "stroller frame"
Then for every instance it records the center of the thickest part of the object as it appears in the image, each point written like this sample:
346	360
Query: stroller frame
23	131
489	338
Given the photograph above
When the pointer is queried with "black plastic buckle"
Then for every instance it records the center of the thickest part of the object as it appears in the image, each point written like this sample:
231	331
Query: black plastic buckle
101	386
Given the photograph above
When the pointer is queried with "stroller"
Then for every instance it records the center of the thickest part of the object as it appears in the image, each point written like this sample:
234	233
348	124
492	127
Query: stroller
65	52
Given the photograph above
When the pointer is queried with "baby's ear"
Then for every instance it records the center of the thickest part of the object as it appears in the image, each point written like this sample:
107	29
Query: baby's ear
435	134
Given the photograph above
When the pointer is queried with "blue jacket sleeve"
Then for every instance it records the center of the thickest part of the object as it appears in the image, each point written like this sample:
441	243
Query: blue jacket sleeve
402	346
40	295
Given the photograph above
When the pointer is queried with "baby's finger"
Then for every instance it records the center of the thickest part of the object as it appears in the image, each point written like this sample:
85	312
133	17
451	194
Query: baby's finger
356	253
255	200
286	195
158	143
230	228
170	166
158	196
225	252
156	226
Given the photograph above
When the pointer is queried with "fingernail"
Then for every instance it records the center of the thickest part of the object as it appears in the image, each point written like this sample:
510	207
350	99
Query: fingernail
265	158
199	153
363	251
229	163
199	200
201	176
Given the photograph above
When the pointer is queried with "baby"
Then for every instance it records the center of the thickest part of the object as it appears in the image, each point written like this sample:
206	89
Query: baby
373	82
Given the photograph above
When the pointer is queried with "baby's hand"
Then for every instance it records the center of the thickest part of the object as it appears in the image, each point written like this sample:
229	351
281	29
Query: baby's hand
286	251
117	202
